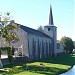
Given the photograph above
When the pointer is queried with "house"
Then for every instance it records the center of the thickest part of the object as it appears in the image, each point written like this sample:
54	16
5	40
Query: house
35	44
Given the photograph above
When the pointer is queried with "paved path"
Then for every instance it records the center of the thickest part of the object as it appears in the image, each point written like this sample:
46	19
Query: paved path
70	72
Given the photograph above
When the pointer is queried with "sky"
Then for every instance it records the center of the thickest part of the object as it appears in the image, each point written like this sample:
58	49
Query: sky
33	13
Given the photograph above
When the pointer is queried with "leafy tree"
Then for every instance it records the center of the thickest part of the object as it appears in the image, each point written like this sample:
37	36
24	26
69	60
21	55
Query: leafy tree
67	44
6	29
40	28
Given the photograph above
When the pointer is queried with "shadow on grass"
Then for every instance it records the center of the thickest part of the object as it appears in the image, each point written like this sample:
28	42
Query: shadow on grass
45	70
65	60
36	69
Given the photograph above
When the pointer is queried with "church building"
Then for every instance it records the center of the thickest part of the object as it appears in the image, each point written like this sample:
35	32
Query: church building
35	44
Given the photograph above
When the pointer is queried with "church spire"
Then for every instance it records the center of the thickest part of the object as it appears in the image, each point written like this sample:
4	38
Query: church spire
51	17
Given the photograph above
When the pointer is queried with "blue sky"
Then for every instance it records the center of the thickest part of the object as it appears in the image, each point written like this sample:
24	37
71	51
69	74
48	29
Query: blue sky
33	13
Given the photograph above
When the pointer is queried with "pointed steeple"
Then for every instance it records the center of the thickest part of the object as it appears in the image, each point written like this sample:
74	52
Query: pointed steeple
51	17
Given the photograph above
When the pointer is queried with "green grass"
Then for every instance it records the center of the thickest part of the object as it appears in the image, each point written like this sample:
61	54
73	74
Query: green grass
51	66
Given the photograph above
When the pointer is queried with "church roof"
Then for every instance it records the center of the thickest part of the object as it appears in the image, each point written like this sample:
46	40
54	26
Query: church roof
33	31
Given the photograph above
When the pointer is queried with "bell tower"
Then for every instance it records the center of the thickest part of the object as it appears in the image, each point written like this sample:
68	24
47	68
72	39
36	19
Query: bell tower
51	31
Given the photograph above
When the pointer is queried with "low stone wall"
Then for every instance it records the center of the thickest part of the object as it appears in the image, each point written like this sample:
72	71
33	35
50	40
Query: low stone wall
20	59
5	61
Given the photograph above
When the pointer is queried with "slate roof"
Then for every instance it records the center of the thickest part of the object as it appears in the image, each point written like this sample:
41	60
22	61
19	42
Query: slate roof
33	31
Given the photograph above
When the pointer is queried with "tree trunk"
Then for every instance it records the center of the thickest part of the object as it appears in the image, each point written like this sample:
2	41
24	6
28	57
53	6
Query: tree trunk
9	52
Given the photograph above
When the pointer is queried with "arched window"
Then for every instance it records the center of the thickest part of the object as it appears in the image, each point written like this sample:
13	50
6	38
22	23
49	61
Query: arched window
38	49
46	48
33	49
49	48
42	49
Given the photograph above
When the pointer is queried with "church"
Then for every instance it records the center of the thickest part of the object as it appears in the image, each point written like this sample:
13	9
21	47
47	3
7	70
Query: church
34	44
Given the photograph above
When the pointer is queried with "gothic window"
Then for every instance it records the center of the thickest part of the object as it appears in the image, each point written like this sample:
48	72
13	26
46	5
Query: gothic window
42	49
38	49
46	47
33	49
49	47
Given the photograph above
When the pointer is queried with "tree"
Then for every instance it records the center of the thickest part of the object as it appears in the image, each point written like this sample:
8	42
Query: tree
40	28
67	44
6	29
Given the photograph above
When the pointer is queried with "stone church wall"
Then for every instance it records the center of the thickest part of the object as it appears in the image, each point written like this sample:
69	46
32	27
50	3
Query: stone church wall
39	47
22	44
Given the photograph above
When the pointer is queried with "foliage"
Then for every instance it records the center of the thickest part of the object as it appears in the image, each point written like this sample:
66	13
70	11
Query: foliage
6	28
40	28
67	44
6	33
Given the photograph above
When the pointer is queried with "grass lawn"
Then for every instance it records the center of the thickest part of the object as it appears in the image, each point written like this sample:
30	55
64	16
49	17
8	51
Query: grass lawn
48	66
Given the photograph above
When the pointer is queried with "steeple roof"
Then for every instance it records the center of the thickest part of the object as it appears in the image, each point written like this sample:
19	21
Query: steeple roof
51	17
